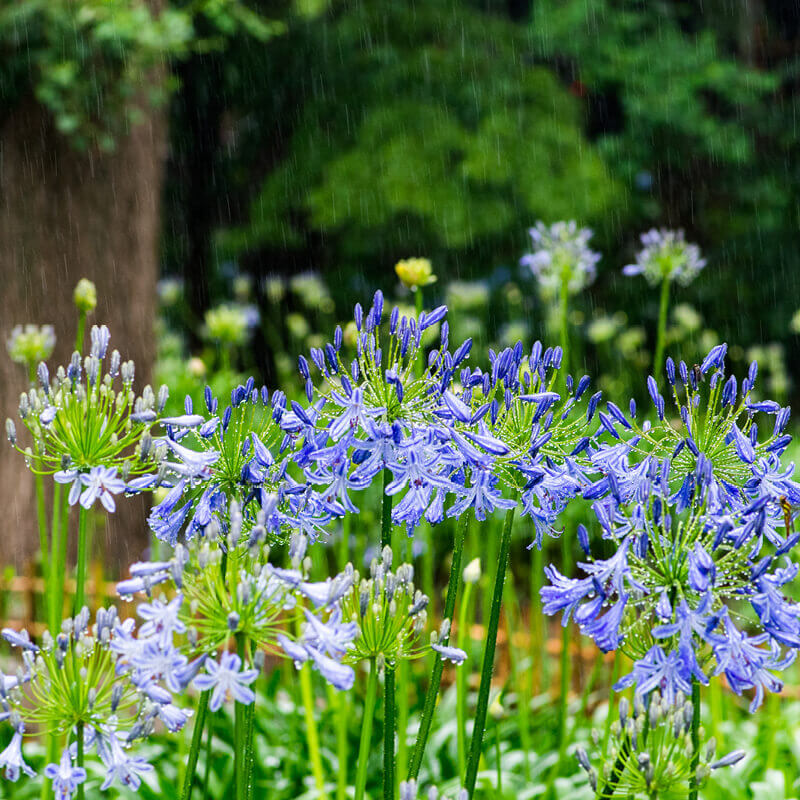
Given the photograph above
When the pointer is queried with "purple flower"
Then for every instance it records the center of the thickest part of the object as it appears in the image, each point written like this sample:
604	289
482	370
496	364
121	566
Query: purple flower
101	483
70	476
11	758
668	673
227	680
65	777
454	654
119	765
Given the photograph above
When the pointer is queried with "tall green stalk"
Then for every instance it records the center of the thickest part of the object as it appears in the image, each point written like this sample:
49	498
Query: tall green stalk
80	574
79	332
312	736
488	657
194	749
342	718
388	684
538	630
695	739
438	666
403	675
661	333
563	700
461	680
80	759
44	543
388	732
54	593
366	731
563	322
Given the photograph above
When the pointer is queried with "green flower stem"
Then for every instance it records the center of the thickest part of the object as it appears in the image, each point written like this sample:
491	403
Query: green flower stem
249	756
194	750
436	674
59	579
238	753
661	334
388	731
491	569
80	575
461	680
366	730
388	685
563	321
80	330
488	657
54	593
44	542
403	674
419	366
695	739
312	736
563	700
342	718
79	760
538	630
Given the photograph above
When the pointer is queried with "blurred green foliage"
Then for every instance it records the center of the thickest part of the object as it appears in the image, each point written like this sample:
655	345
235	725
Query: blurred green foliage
94	64
424	123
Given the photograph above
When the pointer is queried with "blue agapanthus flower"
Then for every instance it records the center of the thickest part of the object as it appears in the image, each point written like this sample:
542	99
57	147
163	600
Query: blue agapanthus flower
696	508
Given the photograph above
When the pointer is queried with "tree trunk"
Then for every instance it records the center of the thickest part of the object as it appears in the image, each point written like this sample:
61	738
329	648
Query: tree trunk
65	215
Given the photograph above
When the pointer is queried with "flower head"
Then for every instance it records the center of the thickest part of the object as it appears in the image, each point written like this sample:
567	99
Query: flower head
65	777
651	752
415	273
31	344
666	256
561	255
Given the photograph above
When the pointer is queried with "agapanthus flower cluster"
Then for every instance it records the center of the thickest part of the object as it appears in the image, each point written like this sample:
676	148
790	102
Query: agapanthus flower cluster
230	323
451	437
666	256
30	344
714	416
389	615
651	754
89	428
225	590
562	256
107	682
240	454
701	548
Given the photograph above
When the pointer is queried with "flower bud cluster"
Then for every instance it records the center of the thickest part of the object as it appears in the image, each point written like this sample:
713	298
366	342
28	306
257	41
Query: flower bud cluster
650	753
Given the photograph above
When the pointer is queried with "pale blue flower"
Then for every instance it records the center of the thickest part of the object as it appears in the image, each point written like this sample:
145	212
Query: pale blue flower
65	777
227	680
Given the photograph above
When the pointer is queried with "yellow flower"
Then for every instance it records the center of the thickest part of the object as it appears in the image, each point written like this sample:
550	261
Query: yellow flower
415	272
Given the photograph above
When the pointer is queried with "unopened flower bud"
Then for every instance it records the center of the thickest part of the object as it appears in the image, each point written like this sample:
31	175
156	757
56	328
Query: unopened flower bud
85	296
472	572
